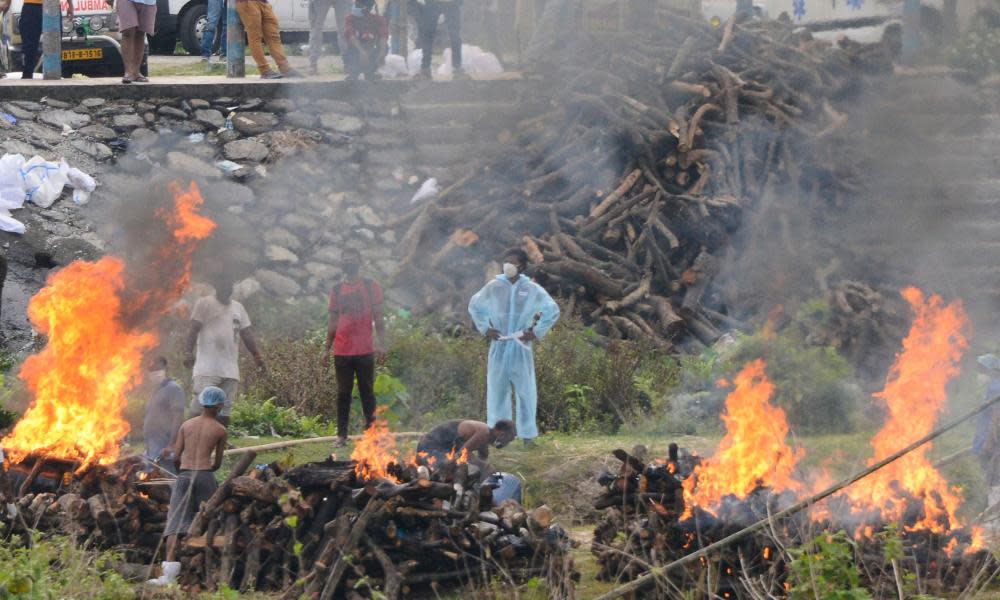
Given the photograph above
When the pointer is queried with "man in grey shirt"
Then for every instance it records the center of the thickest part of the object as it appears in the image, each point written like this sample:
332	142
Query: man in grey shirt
164	411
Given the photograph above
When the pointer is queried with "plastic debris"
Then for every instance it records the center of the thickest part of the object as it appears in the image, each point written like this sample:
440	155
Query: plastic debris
196	138
39	181
428	190
475	61
395	66
9	118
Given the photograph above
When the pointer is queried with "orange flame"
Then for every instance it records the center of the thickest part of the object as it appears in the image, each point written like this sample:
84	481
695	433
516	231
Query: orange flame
375	452
93	356
753	451
915	396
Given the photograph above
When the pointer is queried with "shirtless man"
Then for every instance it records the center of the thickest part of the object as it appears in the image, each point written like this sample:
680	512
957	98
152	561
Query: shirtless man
198	452
451	437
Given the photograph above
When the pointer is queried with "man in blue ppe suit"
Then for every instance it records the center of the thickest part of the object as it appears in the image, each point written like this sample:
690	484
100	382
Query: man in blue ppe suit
513	311
986	443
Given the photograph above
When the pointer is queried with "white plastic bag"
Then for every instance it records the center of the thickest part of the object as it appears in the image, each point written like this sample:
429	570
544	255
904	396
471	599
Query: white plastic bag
11	190
9	223
43	180
395	66
413	61
475	61
428	190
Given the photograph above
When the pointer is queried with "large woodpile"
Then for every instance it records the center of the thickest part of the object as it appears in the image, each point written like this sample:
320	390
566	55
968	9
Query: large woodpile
646	523
319	530
649	152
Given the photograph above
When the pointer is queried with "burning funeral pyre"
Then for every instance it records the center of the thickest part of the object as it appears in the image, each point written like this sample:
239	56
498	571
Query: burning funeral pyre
659	511
376	520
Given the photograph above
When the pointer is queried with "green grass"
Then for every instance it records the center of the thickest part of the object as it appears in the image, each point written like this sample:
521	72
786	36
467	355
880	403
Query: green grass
195	69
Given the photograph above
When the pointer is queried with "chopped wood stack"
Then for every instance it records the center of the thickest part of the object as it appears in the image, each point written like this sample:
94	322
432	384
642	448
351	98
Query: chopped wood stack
627	188
646	523
320	531
117	506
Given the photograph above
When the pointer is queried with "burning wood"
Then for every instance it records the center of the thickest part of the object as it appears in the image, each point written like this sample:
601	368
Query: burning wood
751	478
323	528
632	182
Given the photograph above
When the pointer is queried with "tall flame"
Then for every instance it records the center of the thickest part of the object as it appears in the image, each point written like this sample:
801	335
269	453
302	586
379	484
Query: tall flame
94	353
753	451
915	397
375	452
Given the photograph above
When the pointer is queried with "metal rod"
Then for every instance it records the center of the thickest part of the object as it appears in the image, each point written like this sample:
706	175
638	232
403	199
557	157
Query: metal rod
315	440
52	39
235	48
648	578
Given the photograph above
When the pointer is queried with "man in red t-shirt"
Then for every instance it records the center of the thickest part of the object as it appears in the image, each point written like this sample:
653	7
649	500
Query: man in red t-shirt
355	307
366	35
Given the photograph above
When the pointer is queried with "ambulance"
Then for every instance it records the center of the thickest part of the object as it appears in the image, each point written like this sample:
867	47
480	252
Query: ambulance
91	43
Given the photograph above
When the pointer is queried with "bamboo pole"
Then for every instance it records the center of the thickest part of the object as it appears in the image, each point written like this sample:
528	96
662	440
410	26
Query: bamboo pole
315	440
637	584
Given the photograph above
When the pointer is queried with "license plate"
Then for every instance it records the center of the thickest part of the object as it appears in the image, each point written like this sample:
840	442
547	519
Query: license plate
83	54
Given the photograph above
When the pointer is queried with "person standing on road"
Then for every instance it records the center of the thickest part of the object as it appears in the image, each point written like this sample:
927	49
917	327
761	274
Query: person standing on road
355	309
214	30
261	25
366	35
136	20
30	26
430	12
513	311
218	323
318	10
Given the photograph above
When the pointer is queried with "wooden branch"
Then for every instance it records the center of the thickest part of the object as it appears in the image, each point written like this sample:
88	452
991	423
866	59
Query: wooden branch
209	507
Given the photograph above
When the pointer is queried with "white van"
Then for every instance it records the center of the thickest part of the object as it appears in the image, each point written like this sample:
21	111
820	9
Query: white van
91	43
184	20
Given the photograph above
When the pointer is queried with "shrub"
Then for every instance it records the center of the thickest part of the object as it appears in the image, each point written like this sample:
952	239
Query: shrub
57	568
252	417
977	50
824	568
814	384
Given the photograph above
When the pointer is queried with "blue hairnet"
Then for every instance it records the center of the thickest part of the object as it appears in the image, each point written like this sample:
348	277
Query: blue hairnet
212	396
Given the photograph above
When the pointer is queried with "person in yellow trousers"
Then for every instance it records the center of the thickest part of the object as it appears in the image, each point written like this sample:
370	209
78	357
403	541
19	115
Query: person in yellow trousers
261	26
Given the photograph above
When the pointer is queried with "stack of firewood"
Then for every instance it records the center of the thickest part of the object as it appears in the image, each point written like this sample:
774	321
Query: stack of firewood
320	530
120	506
645	523
627	187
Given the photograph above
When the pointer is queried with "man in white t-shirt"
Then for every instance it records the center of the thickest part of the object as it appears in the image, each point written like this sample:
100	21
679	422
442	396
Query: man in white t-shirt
213	347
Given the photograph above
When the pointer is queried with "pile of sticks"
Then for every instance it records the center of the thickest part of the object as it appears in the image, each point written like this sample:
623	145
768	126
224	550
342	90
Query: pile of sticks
627	186
321	531
645	524
113	507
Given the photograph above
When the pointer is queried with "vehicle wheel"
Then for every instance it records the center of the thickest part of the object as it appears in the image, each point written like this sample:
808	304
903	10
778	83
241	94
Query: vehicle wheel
190	28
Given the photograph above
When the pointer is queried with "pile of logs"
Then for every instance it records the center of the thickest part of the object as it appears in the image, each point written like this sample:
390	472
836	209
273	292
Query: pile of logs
627	187
321	531
120	507
317	529
646	524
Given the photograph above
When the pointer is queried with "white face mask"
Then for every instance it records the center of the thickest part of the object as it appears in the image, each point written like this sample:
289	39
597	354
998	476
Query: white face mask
156	377
983	378
509	270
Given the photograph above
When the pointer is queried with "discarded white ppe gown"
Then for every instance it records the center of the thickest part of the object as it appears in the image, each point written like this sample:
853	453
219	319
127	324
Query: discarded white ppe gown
39	181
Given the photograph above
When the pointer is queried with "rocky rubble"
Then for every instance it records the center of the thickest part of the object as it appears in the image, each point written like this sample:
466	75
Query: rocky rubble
293	180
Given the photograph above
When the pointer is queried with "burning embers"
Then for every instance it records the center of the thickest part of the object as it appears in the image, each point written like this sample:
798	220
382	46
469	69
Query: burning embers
754	453
97	319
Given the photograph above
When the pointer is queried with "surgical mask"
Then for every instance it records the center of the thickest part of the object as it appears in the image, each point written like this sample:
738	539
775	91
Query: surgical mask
156	377
509	270
983	378
351	269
